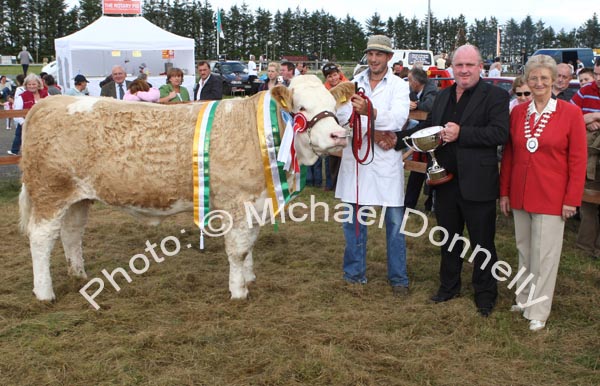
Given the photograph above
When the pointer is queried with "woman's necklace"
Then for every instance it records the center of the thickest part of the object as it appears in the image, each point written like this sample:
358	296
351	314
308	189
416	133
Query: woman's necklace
532	140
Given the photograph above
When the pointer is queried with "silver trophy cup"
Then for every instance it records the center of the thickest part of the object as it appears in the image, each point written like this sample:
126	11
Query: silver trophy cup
427	140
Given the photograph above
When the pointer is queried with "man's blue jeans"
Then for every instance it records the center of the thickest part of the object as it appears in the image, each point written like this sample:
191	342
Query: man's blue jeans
355	254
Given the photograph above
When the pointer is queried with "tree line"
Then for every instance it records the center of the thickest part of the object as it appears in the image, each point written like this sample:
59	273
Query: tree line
36	23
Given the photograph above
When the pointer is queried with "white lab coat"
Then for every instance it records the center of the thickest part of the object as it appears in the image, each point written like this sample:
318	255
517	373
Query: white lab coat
382	181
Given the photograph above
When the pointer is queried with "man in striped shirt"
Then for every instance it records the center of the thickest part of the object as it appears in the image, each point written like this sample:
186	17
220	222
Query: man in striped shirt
588	99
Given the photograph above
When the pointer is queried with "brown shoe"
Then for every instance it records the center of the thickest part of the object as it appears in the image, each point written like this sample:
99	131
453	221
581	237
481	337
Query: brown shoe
400	291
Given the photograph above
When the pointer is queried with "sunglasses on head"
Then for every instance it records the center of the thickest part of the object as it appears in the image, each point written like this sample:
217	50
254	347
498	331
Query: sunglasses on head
526	93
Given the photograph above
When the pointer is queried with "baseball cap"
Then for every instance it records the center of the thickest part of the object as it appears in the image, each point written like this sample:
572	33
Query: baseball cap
80	78
329	68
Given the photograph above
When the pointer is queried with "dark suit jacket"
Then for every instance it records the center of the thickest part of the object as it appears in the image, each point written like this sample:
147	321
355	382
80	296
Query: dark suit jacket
212	90
483	127
109	89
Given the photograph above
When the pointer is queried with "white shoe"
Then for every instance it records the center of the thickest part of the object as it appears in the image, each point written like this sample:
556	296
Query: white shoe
10	152
536	325
516	308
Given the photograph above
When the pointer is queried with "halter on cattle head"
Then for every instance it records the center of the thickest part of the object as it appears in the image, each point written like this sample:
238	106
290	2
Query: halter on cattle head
301	124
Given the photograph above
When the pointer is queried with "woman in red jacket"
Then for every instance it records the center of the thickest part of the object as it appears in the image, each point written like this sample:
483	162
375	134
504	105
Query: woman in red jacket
541	179
34	91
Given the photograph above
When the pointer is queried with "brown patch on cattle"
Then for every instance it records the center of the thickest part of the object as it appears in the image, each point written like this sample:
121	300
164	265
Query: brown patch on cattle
283	96
137	154
342	92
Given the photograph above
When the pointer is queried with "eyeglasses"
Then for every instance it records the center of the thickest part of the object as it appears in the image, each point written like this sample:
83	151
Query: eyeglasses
526	93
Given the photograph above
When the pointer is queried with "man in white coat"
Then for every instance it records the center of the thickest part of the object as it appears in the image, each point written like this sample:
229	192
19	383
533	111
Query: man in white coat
381	182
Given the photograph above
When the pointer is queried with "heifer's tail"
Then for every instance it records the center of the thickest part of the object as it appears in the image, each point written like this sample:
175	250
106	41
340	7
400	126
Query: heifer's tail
24	210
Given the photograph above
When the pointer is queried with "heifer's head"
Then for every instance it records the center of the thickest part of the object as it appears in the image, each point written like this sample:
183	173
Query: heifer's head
322	134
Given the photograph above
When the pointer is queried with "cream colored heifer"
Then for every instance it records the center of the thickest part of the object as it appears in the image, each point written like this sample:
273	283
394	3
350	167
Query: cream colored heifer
137	156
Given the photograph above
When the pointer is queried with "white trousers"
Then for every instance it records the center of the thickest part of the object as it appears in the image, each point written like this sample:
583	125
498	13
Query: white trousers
539	239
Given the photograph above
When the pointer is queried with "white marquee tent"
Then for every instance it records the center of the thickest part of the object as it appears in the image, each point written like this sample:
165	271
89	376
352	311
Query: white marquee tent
128	41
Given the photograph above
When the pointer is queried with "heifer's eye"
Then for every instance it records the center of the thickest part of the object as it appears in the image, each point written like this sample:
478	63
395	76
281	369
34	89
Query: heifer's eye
302	108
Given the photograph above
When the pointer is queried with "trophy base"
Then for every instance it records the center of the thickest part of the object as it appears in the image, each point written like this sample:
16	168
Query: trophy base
438	178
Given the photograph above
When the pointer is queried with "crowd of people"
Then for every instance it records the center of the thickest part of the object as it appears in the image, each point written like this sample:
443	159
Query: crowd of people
546	141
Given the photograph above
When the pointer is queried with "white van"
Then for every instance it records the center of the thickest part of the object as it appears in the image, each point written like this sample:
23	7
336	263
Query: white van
408	58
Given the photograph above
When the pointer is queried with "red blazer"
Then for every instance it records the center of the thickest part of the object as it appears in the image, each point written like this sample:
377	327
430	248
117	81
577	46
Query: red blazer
553	176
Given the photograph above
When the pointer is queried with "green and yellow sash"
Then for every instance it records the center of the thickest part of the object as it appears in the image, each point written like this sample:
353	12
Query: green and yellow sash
278	188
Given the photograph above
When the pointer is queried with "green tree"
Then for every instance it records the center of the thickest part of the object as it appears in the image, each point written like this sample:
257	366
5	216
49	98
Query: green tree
588	35
90	10
375	26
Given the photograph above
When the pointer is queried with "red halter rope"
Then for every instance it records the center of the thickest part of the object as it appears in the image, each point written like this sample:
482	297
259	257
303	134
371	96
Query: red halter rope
357	141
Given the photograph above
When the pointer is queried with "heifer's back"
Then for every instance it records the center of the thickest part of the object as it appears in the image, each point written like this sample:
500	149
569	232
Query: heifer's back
135	155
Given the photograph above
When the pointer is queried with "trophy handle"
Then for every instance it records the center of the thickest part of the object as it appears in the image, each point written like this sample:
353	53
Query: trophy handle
411	145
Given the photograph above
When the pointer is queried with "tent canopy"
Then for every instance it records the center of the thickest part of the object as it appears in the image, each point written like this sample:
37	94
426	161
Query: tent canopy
128	41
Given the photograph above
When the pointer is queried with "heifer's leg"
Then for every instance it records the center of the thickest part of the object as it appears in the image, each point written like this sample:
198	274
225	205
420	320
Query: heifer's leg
42	236
71	234
238	245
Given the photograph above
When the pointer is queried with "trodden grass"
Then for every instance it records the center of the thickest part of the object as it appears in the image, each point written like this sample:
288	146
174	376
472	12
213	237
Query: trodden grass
175	324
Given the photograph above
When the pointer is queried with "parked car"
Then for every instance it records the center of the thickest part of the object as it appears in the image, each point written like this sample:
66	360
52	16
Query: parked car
234	75
506	82
566	55
51	68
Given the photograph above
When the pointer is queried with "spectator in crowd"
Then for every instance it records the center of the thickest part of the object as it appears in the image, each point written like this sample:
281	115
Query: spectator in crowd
51	85
140	90
546	148
381	181
440	63
522	92
495	70
34	91
564	76
397	68
5	88
80	87
422	94
272	76
588	100
173	90
25	59
333	76
287	72
475	119
118	85
209	86
252	71
585	76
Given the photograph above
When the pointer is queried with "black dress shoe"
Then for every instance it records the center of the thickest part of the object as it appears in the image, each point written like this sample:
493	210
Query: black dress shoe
437	298
484	311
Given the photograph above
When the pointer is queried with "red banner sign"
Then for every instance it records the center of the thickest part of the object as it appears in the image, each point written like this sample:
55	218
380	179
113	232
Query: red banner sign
129	7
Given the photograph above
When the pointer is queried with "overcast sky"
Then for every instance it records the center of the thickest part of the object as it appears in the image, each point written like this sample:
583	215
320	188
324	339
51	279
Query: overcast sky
567	14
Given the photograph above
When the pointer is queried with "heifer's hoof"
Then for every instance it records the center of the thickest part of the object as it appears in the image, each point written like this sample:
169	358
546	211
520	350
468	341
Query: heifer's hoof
249	277
44	296
239	294
78	273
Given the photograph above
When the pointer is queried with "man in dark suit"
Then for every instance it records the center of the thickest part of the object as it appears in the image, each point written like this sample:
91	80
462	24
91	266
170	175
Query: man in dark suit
422	94
118	86
476	120
209	86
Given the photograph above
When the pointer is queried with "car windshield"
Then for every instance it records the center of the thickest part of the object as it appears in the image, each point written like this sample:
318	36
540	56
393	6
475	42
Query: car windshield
228	68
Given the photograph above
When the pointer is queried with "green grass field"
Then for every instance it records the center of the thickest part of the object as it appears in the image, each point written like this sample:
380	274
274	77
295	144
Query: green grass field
12	70
302	325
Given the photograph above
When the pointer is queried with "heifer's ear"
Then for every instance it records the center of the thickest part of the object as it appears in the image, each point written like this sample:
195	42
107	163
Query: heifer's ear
283	97
342	92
